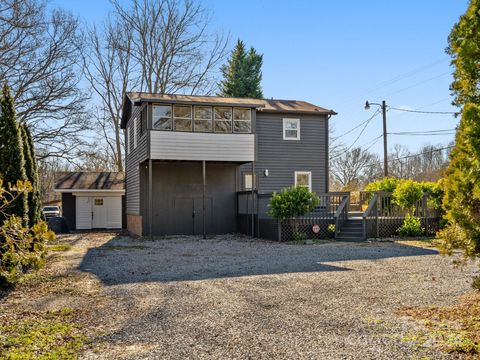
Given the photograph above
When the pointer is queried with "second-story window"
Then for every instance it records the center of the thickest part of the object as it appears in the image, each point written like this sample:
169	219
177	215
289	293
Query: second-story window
203	118
182	118
242	120
143	120
223	119
162	117
291	129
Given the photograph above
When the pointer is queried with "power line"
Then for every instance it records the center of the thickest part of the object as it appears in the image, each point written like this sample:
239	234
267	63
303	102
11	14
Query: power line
423	153
358	137
356	127
423	134
424	112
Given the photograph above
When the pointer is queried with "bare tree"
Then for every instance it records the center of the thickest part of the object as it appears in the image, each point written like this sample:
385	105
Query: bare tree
352	167
170	45
109	70
38	58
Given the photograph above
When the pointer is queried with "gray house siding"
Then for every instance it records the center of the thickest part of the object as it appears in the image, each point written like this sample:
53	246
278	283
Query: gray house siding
283	157
135	156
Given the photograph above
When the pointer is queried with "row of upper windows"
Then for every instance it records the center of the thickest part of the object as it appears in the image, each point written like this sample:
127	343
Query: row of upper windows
201	118
204	119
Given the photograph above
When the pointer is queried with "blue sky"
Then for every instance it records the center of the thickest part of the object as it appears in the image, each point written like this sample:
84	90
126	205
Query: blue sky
337	54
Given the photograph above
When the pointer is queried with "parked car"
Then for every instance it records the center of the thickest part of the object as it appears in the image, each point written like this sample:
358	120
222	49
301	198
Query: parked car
51	211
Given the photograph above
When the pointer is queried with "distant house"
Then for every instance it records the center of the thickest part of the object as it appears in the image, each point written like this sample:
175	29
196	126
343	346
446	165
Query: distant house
92	200
189	157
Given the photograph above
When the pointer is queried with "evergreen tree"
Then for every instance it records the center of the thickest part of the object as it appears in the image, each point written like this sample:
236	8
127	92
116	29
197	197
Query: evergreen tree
12	163
462	179
34	206
242	75
464	48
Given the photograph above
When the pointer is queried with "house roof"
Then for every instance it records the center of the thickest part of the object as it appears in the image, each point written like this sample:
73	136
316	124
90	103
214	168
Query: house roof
89	180
262	105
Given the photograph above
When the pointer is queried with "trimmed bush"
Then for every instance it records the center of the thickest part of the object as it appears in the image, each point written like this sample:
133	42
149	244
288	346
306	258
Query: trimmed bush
292	202
387	184
407	193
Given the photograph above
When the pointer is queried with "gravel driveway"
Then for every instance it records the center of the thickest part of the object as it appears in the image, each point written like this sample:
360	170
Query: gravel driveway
233	298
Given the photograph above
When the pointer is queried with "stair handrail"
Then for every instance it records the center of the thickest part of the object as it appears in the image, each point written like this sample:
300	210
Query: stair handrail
341	215
368	212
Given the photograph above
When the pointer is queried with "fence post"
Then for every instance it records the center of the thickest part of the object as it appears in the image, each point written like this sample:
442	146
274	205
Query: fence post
279	224
425	212
376	216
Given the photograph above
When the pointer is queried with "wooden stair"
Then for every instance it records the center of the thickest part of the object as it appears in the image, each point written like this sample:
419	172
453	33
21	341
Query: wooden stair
352	230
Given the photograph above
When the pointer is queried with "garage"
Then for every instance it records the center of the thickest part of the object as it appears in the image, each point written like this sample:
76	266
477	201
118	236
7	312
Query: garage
92	200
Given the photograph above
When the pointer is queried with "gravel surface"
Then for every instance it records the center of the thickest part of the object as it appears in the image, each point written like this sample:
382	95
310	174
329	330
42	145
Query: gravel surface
233	298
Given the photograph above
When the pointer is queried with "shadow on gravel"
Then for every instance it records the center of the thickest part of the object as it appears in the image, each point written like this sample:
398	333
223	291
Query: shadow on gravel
124	260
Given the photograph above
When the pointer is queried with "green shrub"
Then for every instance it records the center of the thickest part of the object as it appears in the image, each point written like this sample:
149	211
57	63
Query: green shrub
435	191
21	247
292	202
407	193
412	226
387	184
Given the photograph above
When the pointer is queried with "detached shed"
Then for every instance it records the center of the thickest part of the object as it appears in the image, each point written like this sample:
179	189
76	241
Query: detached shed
92	200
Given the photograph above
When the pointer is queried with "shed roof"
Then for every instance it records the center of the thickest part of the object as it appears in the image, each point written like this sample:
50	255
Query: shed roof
89	180
262	105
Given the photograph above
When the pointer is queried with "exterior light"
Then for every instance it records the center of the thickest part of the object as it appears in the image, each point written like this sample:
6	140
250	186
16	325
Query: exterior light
367	105
265	172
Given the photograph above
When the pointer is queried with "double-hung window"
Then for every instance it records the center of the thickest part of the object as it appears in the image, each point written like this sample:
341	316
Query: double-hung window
203	118
223	119
248	181
304	179
162	117
182	118
242	120
291	129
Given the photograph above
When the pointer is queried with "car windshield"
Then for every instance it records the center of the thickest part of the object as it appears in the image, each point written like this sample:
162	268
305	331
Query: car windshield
50	208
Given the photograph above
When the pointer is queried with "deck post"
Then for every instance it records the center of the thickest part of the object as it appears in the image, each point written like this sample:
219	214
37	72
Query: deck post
150	197
204	207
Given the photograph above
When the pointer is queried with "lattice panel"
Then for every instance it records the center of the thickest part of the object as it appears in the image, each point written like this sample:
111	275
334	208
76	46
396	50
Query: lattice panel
327	229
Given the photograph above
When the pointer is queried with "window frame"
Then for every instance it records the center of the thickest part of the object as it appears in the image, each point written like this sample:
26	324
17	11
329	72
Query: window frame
254	181
285	120
211	120
175	118
127	140
223	120
241	120
171	116
303	172
135	120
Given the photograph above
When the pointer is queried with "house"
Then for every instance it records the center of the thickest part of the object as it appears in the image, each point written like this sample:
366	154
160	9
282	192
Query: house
188	158
92	200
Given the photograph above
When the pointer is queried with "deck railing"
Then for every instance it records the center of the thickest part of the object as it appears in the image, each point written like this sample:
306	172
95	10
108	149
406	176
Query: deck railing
383	217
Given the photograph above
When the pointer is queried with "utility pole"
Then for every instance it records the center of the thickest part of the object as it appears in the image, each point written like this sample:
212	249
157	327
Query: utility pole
383	106
385	149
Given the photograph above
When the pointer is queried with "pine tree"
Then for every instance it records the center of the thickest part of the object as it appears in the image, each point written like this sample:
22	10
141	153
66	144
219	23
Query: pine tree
462	179
242	75
34	206
12	163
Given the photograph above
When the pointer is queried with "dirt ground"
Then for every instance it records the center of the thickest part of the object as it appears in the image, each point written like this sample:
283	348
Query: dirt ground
231	297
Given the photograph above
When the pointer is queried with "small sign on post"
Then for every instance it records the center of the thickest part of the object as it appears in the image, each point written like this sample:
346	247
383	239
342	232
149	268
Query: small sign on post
316	228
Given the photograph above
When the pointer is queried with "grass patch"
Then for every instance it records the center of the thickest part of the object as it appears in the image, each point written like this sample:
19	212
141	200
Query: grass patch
48	335
456	328
59	247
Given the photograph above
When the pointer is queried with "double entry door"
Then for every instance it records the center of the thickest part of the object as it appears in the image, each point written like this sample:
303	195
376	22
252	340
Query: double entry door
187	215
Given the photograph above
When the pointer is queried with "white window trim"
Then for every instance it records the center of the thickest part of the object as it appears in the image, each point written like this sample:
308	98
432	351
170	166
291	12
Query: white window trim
135	133
284	129
309	173
127	145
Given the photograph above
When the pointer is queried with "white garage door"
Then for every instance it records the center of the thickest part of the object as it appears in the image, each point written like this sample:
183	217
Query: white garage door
97	212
